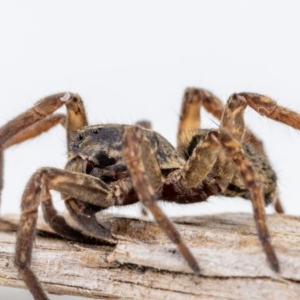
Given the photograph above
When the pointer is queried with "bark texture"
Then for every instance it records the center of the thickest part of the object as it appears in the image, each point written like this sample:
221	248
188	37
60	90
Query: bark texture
145	265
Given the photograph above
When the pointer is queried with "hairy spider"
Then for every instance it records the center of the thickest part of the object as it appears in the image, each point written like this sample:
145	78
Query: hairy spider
114	165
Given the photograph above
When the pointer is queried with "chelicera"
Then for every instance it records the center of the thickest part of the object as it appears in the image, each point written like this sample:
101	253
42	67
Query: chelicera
115	165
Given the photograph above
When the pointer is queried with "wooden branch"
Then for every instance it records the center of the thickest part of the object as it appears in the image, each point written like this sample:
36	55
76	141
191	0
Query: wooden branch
145	265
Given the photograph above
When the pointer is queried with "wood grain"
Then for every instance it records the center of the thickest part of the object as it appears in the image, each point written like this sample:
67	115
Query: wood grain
145	265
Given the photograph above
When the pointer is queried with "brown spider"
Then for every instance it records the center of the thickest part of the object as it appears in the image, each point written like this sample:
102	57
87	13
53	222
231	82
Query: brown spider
113	165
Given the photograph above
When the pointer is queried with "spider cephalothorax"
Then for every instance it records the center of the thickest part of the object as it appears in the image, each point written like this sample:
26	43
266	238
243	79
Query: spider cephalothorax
102	146
114	165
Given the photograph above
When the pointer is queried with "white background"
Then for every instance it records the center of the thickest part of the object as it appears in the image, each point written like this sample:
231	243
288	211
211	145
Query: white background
132	60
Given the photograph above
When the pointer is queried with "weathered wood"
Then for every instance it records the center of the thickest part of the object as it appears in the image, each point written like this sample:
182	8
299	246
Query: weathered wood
145	265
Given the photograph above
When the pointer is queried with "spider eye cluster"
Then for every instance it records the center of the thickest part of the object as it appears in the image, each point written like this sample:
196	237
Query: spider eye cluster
80	136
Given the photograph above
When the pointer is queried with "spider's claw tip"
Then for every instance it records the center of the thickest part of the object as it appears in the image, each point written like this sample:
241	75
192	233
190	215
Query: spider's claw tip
196	270
195	267
275	267
65	97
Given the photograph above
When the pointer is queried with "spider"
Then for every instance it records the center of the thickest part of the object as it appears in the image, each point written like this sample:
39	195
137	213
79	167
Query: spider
114	165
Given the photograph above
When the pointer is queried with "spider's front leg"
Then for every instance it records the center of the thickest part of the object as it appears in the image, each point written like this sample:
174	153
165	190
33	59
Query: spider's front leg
38	112
253	184
147	182
39	119
77	186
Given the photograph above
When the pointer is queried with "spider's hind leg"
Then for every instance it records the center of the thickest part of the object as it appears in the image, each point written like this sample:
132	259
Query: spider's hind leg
190	118
266	106
231	135
233	123
234	149
189	124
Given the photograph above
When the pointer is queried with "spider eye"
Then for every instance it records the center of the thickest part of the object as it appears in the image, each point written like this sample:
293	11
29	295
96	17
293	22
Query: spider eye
79	137
95	131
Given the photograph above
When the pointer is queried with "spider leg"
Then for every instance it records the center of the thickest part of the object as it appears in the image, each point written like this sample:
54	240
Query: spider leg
233	118
278	206
144	124
146	179
215	106
233	122
190	113
230	136
90	189
40	110
243	165
86	219
39	119
76	116
147	125
196	168
35	129
190	110
269	108
28	133
190	122
62	228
